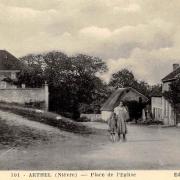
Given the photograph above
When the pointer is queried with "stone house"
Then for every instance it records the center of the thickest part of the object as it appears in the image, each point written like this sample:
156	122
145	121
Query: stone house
10	66
161	108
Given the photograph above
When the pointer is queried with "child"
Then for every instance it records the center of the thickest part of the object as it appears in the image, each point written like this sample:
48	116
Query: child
112	122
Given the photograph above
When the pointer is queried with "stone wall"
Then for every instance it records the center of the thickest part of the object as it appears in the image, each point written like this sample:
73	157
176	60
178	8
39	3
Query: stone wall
25	95
92	117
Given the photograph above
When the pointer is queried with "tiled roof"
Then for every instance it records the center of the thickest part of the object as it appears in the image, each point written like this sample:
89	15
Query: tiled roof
115	97
9	62
171	75
111	101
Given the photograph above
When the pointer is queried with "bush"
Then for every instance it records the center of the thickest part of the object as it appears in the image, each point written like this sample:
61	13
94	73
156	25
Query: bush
38	104
153	122
83	119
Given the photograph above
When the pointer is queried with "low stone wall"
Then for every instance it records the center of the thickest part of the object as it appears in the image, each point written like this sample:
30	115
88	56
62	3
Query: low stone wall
92	117
25	95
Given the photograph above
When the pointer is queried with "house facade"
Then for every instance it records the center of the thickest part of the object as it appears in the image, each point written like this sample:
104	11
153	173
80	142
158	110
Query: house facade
156	107
121	94
161	108
5	75
9	67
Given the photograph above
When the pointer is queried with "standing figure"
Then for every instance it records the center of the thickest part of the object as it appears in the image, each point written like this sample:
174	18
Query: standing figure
144	115
112	122
122	116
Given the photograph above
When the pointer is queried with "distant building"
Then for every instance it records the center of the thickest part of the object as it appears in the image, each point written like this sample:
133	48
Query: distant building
10	66
156	107
121	94
161	108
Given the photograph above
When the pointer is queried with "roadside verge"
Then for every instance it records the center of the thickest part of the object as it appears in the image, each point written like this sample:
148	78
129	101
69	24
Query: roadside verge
49	118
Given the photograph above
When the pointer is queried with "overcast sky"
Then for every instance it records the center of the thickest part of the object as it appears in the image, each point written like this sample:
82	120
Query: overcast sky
141	35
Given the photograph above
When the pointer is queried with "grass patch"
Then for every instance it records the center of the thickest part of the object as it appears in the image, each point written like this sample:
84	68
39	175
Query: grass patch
101	121
14	136
64	124
49	118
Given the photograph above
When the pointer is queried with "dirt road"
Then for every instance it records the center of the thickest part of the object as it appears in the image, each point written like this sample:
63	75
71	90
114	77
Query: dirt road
146	148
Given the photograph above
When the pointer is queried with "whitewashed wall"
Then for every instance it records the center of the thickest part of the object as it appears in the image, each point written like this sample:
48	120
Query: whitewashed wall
168	113
105	115
92	117
156	108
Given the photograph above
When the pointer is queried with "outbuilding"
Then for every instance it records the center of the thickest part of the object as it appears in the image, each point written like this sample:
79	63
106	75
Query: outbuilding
127	94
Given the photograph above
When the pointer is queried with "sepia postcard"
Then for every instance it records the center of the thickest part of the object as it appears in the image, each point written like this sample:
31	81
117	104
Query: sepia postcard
89	89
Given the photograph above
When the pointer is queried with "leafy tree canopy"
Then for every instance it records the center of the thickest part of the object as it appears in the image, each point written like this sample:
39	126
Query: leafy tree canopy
72	80
126	78
123	78
173	95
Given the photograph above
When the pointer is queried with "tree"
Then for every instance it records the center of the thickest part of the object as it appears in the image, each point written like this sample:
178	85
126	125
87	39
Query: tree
142	87
123	78
99	96
72	80
58	68
32	74
85	64
85	69
156	90
173	95
87	84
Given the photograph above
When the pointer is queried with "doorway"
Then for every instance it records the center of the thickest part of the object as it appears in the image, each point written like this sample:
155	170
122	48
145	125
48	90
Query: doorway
135	110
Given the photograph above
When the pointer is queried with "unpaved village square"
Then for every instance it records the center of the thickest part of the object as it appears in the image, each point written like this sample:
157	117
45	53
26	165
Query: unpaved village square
148	148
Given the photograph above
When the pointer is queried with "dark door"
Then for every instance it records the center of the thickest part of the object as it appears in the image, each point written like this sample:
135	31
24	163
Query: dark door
177	113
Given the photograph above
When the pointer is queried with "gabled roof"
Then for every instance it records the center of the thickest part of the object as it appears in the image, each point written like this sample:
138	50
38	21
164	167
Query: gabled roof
115	97
171	76
9	62
111	101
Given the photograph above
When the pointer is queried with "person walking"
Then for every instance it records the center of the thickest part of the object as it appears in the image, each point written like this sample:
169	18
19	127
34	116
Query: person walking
122	116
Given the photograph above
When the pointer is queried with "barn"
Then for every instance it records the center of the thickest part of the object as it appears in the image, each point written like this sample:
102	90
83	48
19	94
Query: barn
121	94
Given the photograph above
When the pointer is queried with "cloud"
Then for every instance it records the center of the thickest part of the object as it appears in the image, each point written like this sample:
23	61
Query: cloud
146	65
95	32
135	34
122	41
132	8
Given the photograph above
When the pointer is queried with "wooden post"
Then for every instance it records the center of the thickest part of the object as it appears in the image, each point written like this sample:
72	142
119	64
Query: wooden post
46	88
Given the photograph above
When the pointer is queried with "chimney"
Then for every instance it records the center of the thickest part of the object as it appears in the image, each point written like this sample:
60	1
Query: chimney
175	66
